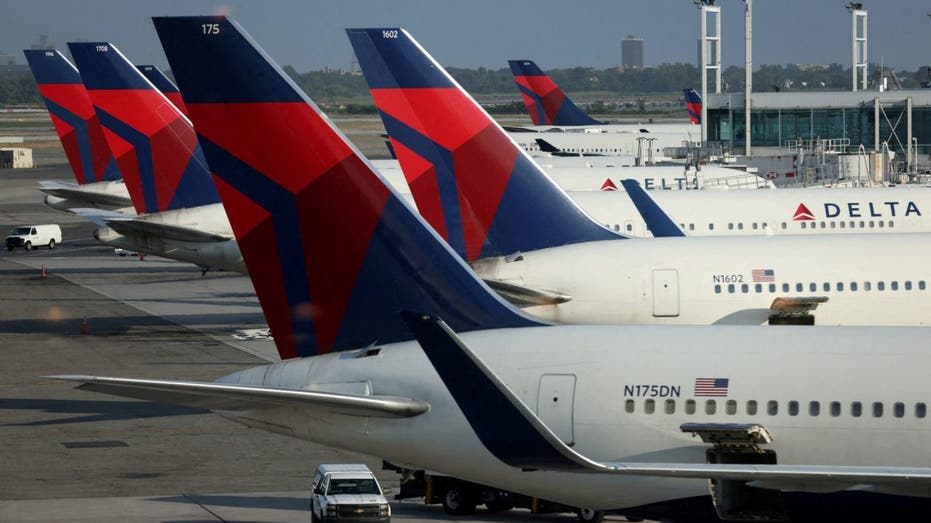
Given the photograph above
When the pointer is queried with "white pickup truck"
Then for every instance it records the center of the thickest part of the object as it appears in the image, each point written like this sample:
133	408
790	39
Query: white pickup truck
348	494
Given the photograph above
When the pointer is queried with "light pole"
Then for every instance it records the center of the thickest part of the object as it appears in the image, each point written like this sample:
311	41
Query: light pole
858	42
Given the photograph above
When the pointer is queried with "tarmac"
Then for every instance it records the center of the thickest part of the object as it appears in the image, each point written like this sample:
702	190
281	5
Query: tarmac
70	455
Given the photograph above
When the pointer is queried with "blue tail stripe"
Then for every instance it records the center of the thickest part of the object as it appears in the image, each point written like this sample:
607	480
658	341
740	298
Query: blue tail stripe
571	114
659	223
282	205
393	60
158	78
143	155
83	137
537	102
195	188
54	69
442	161
112	172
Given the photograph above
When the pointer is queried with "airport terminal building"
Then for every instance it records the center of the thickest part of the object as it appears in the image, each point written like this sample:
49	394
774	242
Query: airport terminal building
846	118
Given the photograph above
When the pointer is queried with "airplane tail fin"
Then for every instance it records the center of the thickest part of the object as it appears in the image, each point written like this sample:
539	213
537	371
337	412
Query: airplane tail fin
477	188
73	116
163	84
154	143
659	223
693	105
545	101
333	252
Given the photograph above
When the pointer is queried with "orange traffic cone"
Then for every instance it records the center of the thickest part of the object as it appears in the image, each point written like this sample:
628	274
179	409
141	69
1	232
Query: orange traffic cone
84	328
42	276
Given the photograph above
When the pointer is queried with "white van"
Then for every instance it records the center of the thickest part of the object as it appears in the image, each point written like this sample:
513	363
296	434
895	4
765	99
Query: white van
348	494
32	236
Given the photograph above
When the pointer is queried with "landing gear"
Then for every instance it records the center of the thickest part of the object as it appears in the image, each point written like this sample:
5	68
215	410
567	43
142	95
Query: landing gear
457	502
587	515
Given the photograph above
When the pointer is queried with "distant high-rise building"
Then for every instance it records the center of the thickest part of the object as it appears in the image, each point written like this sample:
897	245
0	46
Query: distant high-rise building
631	53
44	43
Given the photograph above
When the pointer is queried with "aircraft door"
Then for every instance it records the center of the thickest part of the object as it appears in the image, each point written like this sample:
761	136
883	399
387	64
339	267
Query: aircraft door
555	402
665	293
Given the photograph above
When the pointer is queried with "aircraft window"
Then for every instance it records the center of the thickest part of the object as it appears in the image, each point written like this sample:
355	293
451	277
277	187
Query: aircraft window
717	289
921	285
630	227
730	226
799	287
730	288
793	408
920	410
880	286
772	287
856	409
804	225
711	225
783	223
814	408
690	406
730	407
813	286
649	406
908	285
618	227
751	407
862	224
843	224
894	285
853	286
840	286
785	287
898	409
881	224
670	406
826	286
867	285
833	225
772	407
823	225
710	407
877	409
871	224
758	288
629	406
754	226
744	288
764	225
891	223
692	225
835	408
740	226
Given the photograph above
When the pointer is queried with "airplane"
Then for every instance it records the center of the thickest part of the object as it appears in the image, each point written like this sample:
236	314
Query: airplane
546	103
179	211
693	105
517	230
792	423
99	182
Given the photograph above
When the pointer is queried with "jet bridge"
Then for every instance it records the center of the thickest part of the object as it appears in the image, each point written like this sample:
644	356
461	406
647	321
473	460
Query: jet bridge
738	443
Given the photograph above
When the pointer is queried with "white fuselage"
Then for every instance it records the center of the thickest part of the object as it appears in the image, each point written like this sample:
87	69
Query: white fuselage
877	279
625	391
786	211
224	255
624	142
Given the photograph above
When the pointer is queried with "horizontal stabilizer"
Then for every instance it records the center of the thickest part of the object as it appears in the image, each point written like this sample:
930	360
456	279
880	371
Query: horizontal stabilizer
514	434
223	396
74	192
796	304
525	296
97	216
129	227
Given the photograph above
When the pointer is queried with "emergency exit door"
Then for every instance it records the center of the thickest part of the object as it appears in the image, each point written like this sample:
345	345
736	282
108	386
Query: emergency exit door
665	293
555	404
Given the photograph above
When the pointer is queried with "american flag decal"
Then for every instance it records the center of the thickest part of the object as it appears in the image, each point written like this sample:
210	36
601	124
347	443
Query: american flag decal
711	387
764	275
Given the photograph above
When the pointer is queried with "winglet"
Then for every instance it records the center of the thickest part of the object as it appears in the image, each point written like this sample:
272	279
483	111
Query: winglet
545	101
73	116
333	252
659	223
154	143
478	189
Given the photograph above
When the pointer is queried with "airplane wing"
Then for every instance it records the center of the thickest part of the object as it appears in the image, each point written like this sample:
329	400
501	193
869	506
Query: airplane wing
526	296
97	216
74	192
232	397
514	434
131	227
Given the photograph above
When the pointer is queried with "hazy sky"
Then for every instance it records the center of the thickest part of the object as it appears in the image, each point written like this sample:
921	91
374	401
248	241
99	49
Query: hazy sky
309	34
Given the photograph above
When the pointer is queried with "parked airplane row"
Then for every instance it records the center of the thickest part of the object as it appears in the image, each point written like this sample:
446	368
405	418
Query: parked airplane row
795	423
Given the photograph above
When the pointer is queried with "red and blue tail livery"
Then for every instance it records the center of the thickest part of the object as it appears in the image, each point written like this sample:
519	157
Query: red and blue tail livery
334	254
73	117
163	84
693	105
477	188
153	142
545	101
